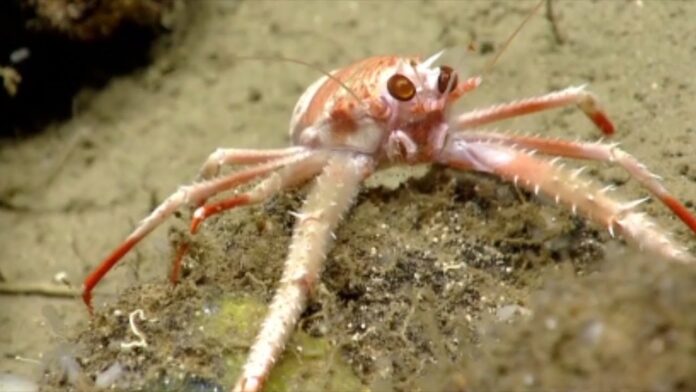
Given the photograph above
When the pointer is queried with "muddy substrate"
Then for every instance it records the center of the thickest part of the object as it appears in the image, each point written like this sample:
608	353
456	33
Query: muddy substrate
482	287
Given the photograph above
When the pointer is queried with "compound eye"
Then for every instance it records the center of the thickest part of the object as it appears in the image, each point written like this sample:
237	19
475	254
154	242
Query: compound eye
447	78
401	88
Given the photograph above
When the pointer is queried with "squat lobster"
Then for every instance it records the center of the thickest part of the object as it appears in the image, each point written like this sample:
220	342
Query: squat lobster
385	111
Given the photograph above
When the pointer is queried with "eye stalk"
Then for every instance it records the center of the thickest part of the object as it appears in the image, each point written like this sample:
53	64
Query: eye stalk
447	78
401	88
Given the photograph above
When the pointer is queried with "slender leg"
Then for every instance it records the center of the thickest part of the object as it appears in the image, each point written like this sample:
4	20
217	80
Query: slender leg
586	101
468	85
566	187
594	151
330	198
194	194
285	178
237	156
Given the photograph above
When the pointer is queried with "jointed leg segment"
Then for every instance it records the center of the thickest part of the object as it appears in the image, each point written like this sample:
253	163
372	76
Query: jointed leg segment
195	194
332	195
566	187
289	176
237	156
593	151
586	101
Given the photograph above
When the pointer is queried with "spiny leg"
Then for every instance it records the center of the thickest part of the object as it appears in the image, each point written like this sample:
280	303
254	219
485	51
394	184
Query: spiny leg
287	177
566	187
594	151
239	156
331	196
194	194
585	100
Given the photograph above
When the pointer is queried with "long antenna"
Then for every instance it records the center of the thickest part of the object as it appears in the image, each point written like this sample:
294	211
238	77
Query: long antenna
495	58
306	64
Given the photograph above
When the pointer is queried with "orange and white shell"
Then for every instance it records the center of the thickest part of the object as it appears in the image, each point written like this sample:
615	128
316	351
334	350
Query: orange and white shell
361	111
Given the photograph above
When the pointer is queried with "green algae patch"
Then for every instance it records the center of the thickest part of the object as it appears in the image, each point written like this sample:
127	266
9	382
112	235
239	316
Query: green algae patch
308	364
235	322
312	364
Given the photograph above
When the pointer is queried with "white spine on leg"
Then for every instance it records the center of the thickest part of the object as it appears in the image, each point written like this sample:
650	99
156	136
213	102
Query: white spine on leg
332	195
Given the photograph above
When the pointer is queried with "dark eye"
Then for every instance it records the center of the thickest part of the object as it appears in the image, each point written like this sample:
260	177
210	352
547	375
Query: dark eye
447	78
401	88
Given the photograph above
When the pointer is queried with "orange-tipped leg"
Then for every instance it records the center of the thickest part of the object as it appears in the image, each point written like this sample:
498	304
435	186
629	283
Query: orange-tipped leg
289	176
195	194
176	264
564	186
98	273
586	101
680	211
201	214
204	212
593	151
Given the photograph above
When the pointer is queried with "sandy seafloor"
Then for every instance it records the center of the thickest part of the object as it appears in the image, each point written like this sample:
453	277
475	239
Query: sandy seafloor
444	283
